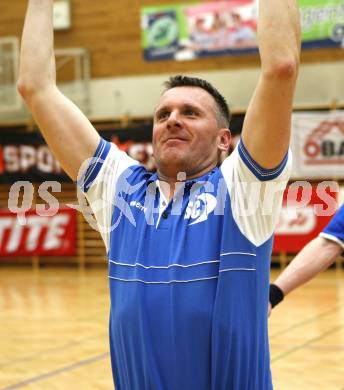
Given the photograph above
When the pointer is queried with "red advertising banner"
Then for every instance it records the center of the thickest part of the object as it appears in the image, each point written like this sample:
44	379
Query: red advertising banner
40	235
304	215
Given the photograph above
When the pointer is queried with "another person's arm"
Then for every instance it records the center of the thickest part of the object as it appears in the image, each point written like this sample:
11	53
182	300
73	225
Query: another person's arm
266	130
315	257
69	134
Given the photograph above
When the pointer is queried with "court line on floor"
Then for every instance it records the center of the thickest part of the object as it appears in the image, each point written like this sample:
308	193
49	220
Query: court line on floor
307	321
51	350
50	318
63	347
305	344
327	347
59	371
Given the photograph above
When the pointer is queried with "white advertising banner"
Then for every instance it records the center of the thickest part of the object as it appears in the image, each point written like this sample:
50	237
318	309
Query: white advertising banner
318	145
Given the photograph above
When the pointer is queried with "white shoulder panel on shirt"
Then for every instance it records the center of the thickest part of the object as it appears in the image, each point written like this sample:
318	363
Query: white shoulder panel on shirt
255	204
101	194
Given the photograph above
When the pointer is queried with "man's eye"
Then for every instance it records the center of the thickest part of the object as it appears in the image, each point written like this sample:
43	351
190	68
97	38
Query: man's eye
190	112
162	115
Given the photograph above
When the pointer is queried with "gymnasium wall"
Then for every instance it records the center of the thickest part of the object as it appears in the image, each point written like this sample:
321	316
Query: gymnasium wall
110	29
123	83
319	85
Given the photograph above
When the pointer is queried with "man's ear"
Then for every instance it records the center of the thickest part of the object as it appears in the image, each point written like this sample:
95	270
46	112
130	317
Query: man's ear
224	139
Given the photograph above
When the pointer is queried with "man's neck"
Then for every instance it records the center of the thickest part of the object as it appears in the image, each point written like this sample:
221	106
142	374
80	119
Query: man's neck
169	183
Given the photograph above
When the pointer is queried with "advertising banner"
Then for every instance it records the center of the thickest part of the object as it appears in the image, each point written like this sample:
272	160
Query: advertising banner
322	23
26	156
318	145
305	212
188	31
194	30
43	235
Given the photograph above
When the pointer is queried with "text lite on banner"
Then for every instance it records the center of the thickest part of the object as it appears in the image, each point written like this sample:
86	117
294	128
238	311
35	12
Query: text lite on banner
40	235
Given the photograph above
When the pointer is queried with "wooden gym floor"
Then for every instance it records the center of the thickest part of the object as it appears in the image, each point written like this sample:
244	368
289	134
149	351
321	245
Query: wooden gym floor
53	332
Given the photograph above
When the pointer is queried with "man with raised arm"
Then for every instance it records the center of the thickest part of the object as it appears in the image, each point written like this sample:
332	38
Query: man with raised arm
316	256
188	260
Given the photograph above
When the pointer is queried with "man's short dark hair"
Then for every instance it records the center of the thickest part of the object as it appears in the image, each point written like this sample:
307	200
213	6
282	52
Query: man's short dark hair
185	81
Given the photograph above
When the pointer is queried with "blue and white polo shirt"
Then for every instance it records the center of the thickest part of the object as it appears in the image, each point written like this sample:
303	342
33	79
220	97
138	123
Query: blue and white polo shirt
189	278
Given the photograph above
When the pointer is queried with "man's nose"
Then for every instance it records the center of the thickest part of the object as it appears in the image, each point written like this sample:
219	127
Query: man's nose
174	119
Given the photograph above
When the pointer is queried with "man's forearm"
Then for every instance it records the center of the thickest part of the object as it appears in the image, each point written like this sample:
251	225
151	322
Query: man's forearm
315	257
279	33
37	63
266	129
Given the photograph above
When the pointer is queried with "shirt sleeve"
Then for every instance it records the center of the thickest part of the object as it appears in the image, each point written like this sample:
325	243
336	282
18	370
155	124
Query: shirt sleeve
255	193
334	231
98	179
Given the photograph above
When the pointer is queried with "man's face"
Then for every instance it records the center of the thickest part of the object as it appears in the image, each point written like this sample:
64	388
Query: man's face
185	132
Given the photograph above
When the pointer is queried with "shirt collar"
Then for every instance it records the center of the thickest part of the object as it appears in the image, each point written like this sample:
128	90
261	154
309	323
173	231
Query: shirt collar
154	178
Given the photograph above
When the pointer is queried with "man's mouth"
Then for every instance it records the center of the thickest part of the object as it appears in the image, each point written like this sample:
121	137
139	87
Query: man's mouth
175	139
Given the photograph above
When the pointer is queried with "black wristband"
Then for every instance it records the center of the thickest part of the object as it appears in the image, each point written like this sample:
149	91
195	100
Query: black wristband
276	295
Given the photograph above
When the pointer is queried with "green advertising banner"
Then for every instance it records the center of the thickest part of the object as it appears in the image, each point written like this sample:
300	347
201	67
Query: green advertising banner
322	22
193	30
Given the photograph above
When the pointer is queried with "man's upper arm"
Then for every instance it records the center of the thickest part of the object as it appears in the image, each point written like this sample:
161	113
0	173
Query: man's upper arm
266	129
67	131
